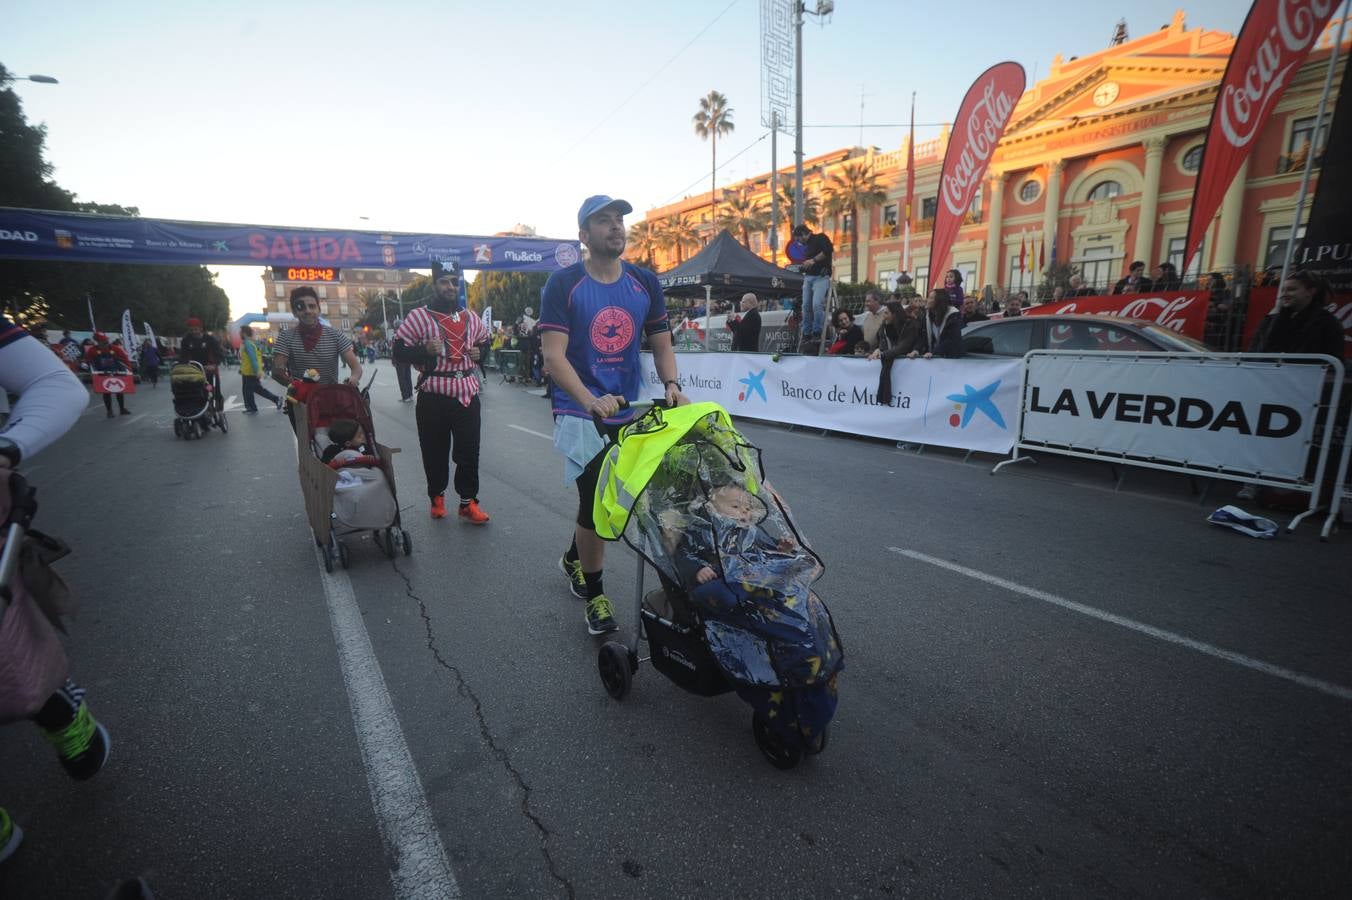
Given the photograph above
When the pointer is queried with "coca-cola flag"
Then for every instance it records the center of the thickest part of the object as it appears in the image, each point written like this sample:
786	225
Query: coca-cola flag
1327	249
980	124
1276	37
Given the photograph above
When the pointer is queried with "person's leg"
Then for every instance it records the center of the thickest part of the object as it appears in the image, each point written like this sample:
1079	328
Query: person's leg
11	835
465	428
434	441
805	327
108	404
819	291
250	384
264	392
122	405
403	374
591	552
81	743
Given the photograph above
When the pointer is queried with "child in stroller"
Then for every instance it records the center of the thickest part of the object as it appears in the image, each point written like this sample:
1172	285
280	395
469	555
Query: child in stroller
736	610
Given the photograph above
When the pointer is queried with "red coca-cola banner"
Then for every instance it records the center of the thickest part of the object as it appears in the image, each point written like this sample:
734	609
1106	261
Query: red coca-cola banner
981	122
1276	37
1182	311
1263	300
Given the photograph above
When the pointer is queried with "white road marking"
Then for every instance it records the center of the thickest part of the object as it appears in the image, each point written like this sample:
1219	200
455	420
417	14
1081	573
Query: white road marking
1239	659
548	437
421	867
136	418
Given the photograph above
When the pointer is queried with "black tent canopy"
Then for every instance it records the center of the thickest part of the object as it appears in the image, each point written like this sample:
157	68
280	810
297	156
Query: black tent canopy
725	266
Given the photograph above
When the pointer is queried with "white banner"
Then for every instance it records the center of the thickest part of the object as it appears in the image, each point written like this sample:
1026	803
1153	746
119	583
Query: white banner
1238	417
971	404
129	337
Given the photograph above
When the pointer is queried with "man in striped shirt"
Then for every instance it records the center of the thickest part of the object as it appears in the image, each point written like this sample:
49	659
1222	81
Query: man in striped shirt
311	345
444	343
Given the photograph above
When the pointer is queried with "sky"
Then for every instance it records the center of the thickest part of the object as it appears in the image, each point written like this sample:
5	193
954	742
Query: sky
468	118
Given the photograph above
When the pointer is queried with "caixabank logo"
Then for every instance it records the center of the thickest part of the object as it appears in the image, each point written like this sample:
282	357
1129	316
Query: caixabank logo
755	384
971	401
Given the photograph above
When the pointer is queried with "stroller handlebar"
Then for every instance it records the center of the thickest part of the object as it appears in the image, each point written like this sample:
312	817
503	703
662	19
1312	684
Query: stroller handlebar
640	406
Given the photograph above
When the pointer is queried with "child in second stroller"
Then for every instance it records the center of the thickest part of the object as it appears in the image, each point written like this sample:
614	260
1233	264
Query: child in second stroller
737	610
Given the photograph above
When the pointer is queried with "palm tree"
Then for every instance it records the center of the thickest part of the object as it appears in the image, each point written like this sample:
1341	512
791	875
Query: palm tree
811	209
854	188
713	119
673	235
743	214
642	240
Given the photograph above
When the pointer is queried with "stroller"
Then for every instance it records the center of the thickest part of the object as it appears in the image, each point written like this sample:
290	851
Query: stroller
345	501
735	610
195	406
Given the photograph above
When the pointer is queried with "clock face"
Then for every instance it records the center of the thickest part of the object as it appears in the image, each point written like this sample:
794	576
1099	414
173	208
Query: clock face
305	273
1106	93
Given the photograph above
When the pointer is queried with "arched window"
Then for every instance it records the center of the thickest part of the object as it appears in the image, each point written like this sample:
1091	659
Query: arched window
1029	191
1105	190
1192	160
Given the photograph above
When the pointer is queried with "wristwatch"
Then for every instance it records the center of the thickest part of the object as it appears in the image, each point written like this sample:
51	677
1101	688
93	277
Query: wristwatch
10	451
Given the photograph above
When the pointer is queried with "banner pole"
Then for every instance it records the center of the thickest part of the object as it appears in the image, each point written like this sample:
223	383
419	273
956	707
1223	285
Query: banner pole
1314	147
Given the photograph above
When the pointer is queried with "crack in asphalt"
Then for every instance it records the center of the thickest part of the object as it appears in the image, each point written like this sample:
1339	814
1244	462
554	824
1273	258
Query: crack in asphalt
486	735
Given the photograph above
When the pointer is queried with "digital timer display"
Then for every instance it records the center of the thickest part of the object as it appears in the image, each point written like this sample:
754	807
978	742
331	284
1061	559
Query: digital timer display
305	273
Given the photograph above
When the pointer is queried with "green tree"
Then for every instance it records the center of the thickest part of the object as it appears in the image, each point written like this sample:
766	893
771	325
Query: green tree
743	214
640	243
674	234
508	293
713	120
852	189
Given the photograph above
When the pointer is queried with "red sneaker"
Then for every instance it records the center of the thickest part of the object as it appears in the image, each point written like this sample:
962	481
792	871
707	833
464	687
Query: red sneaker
472	514
438	507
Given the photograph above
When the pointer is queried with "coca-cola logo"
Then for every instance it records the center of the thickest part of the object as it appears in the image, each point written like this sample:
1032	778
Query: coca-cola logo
985	124
1245	101
1168	312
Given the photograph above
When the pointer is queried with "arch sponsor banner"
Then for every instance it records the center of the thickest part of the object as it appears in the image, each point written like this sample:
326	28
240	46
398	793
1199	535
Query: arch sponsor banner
1253	418
86	237
1183	311
970	404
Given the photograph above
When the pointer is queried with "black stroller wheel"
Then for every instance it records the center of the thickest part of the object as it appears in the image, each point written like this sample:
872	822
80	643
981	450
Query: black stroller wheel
342	554
612	661
408	543
220	421
328	561
388	543
780	755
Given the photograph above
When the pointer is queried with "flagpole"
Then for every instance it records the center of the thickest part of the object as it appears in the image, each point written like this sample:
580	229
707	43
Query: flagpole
89	302
910	190
1314	147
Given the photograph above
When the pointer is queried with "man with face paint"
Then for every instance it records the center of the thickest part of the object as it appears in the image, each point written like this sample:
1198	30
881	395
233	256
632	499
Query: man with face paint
445	342
590	324
312	345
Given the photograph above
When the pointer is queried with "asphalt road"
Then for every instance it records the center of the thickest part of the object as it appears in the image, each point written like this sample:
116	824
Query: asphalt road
1051	688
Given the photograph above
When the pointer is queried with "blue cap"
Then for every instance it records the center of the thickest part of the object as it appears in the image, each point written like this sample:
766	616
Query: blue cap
593	205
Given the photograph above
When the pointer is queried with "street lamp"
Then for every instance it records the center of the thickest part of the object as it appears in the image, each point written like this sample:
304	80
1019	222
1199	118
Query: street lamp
824	8
40	79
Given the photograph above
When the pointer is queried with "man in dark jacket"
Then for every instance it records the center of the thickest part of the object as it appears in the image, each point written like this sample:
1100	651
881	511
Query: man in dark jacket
1302	322
1135	282
746	328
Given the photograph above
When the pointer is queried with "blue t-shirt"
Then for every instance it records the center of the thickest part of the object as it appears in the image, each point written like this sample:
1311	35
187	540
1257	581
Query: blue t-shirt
602	323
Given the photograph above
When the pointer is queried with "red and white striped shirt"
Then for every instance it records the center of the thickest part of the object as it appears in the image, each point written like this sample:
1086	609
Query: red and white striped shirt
456	332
